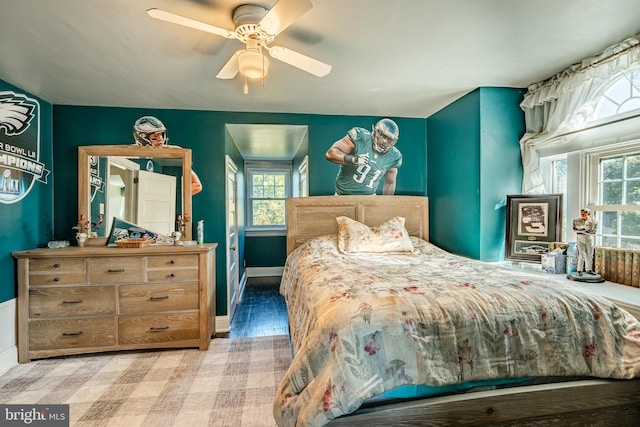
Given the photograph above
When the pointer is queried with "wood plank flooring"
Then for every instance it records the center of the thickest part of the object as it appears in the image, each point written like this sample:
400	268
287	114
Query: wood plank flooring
262	310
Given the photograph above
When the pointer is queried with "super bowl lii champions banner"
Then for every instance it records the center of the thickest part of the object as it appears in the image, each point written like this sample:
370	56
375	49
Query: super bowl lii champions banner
20	165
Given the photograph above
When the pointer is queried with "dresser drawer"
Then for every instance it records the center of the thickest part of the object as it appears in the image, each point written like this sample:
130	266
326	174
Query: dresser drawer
172	261
57	271
62	278
156	328
116	270
71	333
174	275
57	265
160	297
71	301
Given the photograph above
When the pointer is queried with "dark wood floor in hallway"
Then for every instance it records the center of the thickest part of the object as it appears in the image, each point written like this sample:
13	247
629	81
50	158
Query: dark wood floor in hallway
262	310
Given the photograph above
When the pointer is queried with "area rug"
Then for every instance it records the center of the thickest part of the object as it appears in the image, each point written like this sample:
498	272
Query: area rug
230	385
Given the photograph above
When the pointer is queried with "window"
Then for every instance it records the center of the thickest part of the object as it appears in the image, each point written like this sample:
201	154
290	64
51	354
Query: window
620	97
559	186
268	187
618	198
303	174
599	168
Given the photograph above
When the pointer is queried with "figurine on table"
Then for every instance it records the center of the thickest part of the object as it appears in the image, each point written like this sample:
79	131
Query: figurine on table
585	228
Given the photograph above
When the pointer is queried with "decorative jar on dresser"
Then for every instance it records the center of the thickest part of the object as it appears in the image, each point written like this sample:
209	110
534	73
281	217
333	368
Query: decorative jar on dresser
81	300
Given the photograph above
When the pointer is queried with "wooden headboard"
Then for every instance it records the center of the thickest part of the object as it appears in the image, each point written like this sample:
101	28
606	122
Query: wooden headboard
315	216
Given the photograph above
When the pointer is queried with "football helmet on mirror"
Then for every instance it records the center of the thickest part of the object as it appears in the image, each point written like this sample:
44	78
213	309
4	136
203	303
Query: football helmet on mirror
148	130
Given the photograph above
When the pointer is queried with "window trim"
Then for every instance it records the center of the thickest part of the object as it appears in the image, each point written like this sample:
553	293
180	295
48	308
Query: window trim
593	183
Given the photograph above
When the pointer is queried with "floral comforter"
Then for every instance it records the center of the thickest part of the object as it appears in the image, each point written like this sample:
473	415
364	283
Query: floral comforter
364	324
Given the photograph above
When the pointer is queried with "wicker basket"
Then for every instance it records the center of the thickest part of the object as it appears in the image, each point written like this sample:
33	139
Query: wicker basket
133	243
96	241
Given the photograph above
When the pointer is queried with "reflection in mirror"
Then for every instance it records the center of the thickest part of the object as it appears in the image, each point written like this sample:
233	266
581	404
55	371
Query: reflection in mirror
141	185
138	190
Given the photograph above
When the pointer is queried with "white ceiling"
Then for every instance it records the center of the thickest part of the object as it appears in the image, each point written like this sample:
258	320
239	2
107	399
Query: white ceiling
406	58
272	142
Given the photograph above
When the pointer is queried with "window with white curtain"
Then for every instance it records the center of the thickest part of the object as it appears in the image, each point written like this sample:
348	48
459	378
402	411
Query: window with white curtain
590	94
608	171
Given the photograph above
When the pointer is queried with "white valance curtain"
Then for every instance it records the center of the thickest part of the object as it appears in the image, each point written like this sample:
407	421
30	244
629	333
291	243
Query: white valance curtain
565	103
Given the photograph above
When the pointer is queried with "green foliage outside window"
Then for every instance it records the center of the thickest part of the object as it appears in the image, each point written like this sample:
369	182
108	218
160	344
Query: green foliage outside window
268	212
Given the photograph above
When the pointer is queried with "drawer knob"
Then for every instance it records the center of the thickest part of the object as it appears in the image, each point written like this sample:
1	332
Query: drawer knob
73	302
172	262
172	275
162	298
119	270
56	265
72	334
56	279
159	328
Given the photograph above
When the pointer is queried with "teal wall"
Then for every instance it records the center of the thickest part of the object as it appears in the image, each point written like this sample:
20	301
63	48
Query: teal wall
27	223
454	182
502	126
265	251
205	133
474	162
325	130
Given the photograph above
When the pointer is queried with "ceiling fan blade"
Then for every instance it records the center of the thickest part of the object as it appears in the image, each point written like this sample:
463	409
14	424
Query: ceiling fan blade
283	14
230	69
299	60
191	23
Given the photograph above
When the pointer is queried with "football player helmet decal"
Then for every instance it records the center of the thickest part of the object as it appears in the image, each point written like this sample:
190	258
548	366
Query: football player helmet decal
148	130
385	135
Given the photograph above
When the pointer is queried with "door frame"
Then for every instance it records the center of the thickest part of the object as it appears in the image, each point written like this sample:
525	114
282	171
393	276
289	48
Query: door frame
232	169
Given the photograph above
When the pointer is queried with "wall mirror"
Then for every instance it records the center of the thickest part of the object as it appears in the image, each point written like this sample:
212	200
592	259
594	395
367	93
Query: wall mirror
143	185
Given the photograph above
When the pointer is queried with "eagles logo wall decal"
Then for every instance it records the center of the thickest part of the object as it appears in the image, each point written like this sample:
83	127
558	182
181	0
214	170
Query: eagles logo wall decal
20	165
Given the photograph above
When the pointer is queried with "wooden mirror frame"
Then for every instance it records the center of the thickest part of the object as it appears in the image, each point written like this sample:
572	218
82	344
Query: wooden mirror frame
84	198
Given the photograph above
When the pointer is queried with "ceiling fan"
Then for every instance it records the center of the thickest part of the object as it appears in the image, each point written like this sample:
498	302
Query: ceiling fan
256	27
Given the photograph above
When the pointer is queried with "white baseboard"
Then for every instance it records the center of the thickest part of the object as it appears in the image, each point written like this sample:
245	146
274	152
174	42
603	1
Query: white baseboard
8	347
222	324
264	271
8	359
241	286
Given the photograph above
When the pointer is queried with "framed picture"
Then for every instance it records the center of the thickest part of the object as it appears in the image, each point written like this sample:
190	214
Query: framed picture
534	221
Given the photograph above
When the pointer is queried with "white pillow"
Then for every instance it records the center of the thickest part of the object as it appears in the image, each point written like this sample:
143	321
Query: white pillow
356	237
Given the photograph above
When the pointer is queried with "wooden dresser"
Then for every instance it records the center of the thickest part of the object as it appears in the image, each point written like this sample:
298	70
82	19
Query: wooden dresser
97	298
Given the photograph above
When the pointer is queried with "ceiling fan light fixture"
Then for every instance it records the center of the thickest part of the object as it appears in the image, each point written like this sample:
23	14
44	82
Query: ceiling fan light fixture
253	64
256	27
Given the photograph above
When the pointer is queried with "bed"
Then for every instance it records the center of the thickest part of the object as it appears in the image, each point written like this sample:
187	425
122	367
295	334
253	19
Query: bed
413	335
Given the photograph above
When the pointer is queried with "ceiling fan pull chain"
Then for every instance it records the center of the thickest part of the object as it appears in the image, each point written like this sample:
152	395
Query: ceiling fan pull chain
246	86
